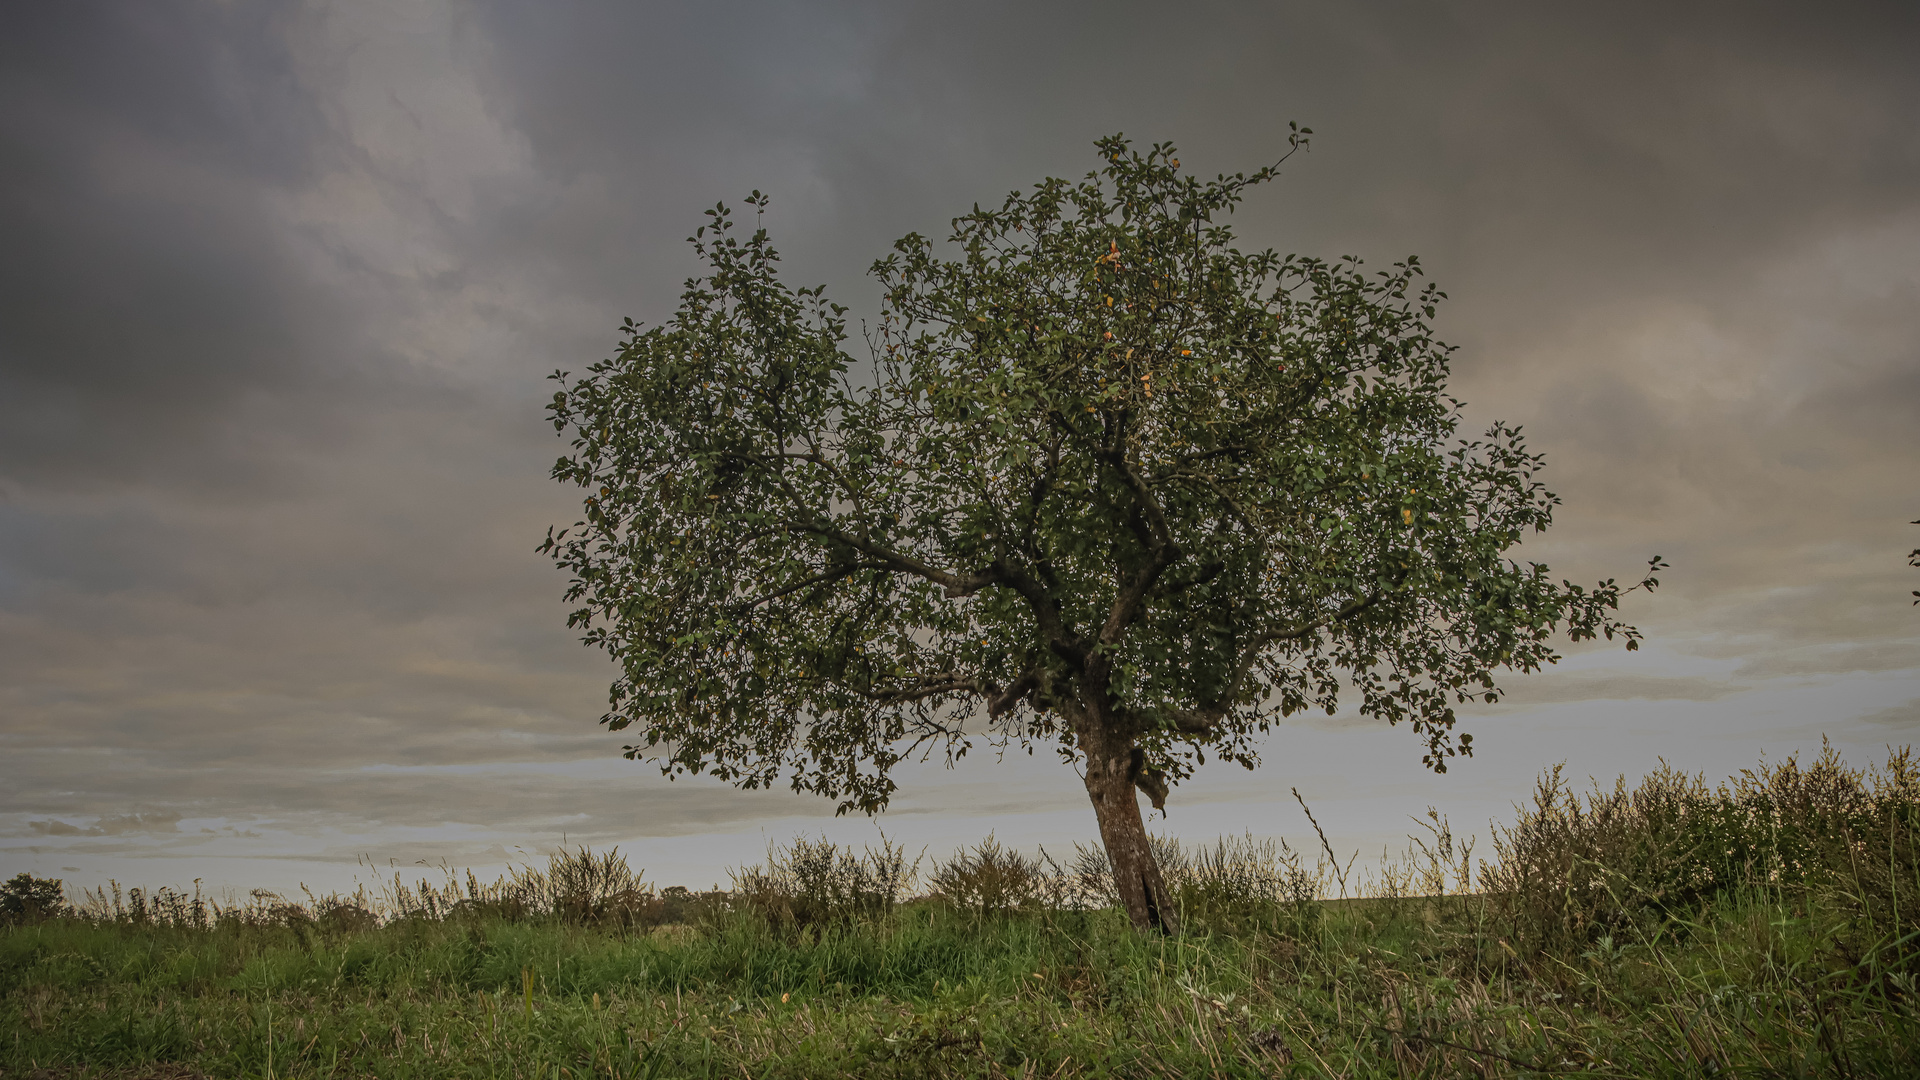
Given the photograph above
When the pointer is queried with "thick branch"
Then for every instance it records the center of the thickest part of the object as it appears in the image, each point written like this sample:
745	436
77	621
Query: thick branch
930	686
1061	637
1206	573
1162	550
818	579
1352	608
1197	721
1064	639
956	585
1043	483
1005	700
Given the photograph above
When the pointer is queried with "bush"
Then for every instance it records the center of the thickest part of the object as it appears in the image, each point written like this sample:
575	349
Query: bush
990	879
813	884
1086	881
1235	883
25	898
342	915
582	888
1571	871
1239	883
577	887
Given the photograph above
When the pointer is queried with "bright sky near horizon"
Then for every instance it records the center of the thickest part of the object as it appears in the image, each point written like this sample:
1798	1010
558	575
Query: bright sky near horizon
283	282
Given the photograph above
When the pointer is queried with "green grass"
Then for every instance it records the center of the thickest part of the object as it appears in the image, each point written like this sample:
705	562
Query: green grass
1380	988
1610	954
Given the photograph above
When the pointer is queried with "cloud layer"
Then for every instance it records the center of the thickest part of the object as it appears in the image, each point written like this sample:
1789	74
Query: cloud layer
284	283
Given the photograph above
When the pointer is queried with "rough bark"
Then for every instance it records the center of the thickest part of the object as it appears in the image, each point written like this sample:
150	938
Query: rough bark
1110	784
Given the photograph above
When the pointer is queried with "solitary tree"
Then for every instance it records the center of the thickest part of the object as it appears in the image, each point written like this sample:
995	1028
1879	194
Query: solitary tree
1105	483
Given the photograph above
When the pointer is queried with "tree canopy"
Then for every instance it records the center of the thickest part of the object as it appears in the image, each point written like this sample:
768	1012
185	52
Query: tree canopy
1101	481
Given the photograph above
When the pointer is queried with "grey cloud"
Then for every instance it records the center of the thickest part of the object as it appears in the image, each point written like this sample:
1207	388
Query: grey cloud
61	828
1832	660
153	322
285	281
628	800
1904	717
1545	689
112	825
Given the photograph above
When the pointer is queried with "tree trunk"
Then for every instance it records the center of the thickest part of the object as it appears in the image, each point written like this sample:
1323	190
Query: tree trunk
1124	832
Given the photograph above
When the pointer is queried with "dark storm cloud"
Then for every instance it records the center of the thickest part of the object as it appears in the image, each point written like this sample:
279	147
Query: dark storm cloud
1626	132
1636	207
282	283
1582	180
149	310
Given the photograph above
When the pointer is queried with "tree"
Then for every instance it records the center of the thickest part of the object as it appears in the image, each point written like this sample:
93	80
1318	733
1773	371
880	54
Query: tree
25	898
1109	484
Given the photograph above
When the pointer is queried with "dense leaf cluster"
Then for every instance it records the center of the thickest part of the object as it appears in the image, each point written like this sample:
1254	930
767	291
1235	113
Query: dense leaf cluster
25	898
1099	463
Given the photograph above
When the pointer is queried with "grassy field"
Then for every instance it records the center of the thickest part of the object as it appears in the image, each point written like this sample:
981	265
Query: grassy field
1765	927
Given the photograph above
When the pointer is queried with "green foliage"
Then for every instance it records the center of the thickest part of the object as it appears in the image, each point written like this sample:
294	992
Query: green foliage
1102	476
25	898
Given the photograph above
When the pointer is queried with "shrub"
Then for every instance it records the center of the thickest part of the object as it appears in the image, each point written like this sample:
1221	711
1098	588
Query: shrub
577	887
25	898
344	915
1235	883
990	879
1086	880
1570	871
1238	883
582	888
814	884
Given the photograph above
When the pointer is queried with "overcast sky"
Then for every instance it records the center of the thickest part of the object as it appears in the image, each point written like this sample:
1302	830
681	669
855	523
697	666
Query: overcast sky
281	284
